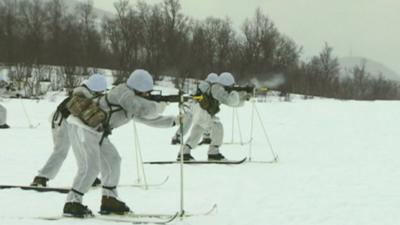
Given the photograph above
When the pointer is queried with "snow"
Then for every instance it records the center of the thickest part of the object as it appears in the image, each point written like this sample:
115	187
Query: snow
338	164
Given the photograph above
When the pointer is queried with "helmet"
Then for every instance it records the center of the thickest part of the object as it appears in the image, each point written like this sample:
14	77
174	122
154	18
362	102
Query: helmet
140	80
212	77
226	79
96	83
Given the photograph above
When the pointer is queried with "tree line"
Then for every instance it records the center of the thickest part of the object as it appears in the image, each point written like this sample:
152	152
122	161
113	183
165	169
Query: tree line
37	35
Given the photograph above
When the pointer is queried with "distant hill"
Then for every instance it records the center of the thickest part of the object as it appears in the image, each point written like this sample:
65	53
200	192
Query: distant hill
374	68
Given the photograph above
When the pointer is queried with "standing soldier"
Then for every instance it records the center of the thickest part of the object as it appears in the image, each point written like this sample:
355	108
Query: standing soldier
202	87
91	123
204	116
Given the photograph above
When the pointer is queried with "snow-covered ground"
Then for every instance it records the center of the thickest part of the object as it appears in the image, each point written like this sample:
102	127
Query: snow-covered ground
338	165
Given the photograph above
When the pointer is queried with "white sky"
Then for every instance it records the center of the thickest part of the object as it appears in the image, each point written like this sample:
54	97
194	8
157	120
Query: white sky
367	28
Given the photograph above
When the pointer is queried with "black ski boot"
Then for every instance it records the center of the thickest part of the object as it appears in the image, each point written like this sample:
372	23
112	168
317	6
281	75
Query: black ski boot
205	141
4	126
96	182
76	209
111	205
39	181
176	140
217	157
186	157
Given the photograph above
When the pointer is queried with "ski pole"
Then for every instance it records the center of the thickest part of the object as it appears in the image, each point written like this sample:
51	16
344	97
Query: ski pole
26	113
139	158
240	130
252	125
181	112
266	135
233	123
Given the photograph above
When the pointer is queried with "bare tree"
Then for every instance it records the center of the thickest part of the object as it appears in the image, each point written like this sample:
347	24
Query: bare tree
324	71
261	41
55	27
33	25
9	32
124	36
88	39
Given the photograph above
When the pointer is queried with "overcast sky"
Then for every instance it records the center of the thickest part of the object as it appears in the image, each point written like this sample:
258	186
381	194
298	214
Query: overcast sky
367	28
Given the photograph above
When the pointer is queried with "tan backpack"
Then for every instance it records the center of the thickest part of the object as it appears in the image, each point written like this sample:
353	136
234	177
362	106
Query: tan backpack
87	110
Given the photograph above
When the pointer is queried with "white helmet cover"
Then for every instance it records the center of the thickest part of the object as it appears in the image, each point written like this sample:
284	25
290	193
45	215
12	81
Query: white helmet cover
97	83
140	80
226	79
212	78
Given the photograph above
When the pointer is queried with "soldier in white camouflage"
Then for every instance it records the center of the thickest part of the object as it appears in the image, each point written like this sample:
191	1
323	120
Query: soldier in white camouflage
96	85
188	108
95	152
204	116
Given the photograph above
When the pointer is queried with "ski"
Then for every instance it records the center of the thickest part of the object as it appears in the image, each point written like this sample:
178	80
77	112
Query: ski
261	162
39	189
148	185
238	143
222	162
185	214
65	190
206	213
132	218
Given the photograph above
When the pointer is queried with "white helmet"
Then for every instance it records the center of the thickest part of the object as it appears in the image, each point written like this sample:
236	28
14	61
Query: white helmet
140	80
212	78
226	79
96	83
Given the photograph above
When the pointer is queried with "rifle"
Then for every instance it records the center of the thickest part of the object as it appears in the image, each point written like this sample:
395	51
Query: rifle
172	98
249	89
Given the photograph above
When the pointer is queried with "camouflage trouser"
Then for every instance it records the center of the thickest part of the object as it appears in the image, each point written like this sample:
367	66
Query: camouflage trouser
93	158
202	121
61	147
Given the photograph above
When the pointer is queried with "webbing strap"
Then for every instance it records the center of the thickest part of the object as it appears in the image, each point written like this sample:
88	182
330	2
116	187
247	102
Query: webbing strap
109	187
106	124
77	192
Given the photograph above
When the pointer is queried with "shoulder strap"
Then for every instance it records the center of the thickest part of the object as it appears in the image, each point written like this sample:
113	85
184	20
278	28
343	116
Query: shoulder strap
61	109
106	125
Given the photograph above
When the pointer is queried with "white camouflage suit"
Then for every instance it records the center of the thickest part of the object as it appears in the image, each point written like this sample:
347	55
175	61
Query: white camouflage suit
202	120
188	108
92	157
61	145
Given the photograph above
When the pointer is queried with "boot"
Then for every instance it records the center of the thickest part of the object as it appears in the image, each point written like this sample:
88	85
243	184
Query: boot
4	126
217	157
39	181
186	157
76	209
111	205
96	182
176	140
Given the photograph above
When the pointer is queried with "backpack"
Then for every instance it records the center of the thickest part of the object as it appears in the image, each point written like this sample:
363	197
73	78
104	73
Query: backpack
209	103
87	110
